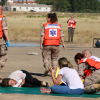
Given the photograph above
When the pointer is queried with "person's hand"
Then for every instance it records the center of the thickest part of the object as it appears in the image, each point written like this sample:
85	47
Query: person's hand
51	70
7	44
63	46
41	47
22	83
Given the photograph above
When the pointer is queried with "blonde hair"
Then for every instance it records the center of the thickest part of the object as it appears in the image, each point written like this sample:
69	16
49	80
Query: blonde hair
64	62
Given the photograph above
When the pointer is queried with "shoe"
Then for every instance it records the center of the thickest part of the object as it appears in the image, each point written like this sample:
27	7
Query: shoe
44	90
97	87
44	84
46	72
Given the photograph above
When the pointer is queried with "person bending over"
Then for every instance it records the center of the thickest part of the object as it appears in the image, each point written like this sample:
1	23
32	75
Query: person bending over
91	73
72	83
22	78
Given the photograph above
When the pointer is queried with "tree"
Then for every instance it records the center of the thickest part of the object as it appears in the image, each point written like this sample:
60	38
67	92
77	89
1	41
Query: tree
73	5
3	2
61	5
45	2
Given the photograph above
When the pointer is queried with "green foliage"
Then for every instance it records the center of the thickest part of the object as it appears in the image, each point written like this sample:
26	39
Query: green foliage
47	2
3	2
73	5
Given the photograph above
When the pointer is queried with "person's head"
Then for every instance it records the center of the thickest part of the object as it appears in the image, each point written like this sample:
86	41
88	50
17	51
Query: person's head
49	17
54	18
78	57
72	17
7	82
1	10
63	62
87	53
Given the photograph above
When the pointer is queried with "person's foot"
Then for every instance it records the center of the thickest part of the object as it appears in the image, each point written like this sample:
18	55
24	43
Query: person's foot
97	87
44	90
46	72
45	84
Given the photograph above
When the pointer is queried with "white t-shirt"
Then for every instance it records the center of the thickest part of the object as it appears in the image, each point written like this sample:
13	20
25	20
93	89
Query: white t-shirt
95	58
71	78
17	76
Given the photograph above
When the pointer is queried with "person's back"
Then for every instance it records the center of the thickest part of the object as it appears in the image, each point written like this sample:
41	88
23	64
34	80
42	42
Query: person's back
95	58
71	78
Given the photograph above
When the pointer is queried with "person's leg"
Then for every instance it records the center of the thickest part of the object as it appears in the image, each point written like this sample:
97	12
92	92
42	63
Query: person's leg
69	31
61	89
3	56
46	57
90	81
54	56
72	34
30	79
29	85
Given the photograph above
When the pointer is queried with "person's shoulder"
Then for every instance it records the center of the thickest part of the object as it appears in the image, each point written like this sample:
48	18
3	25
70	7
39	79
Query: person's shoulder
45	24
65	68
58	24
4	17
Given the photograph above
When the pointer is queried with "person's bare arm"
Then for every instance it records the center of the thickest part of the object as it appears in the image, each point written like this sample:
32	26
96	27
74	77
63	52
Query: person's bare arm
62	40
22	83
41	42
56	81
6	34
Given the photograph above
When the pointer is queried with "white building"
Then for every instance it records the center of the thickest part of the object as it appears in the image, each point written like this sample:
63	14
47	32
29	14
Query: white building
31	7
10	2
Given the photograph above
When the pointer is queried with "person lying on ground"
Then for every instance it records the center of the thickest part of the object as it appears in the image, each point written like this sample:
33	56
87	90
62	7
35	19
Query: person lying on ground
91	73
22	78
72	83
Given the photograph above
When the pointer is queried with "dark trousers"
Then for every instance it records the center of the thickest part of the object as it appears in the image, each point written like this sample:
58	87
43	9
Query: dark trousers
70	34
30	81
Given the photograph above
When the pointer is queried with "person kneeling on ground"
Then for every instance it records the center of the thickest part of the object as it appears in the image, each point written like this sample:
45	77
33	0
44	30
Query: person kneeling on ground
72	83
22	78
89	70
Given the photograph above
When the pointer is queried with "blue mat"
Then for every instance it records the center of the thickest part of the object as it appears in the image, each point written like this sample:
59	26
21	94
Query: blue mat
36	91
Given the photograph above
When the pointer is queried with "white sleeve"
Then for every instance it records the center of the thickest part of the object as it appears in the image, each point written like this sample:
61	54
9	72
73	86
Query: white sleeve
17	75
19	82
61	72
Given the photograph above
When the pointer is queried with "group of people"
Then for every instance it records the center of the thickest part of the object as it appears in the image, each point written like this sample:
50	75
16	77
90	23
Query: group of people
88	69
51	34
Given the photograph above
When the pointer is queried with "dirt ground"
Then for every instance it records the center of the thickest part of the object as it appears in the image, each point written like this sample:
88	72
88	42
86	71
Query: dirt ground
18	59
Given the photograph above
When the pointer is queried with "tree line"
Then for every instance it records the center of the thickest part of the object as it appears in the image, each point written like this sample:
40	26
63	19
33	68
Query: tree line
70	5
73	5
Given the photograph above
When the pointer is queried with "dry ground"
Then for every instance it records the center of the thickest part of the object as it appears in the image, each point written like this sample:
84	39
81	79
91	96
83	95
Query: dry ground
18	59
26	26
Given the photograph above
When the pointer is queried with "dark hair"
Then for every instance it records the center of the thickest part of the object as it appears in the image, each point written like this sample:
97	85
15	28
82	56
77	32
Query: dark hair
54	18
64	62
78	56
5	82
49	15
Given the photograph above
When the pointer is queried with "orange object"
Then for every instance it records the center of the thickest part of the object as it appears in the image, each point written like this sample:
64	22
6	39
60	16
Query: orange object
87	72
71	23
52	34
1	31
91	62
